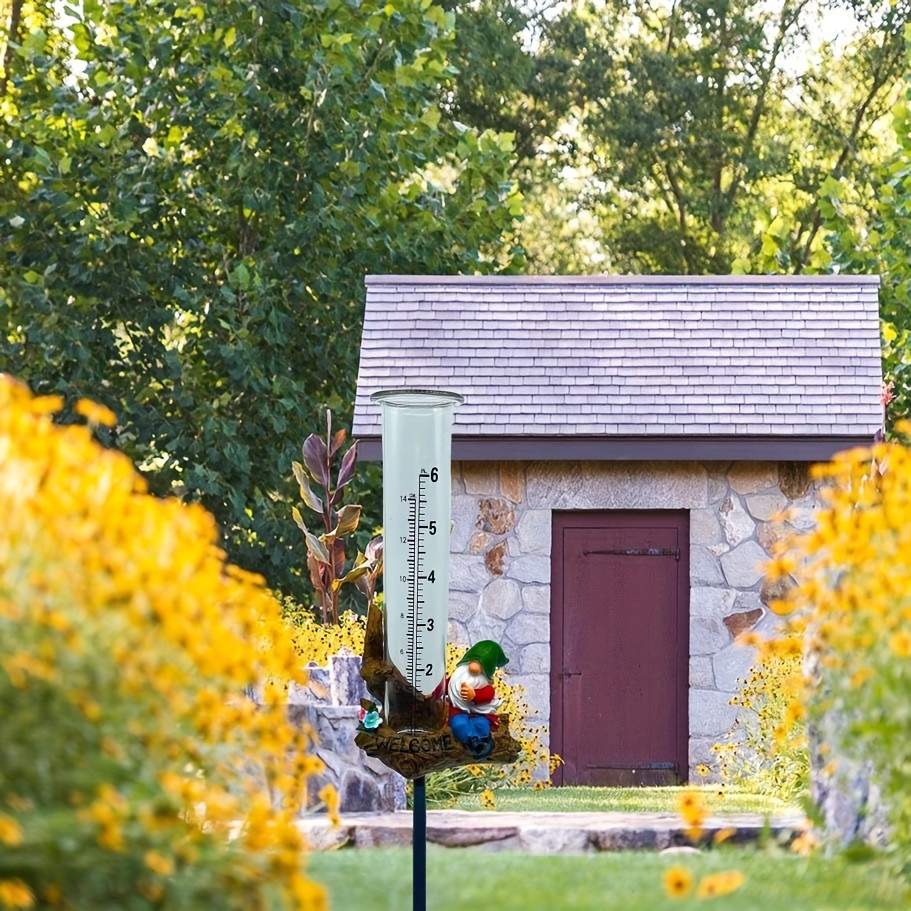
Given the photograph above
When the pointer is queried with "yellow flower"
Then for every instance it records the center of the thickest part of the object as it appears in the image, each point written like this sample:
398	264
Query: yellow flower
158	863
678	881
329	796
111	837
15	894
900	643
781	606
720	884
10	833
702	769
781	566
691	806
95	413
47	404
105	591
722	835
306	893
488	801
804	844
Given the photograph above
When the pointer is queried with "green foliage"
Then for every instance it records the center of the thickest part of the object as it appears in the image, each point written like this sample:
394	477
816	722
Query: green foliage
513	67
882	246
193	195
854	605
700	133
767	750
133	772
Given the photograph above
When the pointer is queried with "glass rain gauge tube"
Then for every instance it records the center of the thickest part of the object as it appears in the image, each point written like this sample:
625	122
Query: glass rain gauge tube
417	435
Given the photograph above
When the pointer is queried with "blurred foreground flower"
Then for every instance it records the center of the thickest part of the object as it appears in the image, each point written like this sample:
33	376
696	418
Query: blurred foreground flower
678	882
126	645
691	806
718	884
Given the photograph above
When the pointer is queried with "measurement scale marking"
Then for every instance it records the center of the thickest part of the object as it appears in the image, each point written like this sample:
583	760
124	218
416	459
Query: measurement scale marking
419	523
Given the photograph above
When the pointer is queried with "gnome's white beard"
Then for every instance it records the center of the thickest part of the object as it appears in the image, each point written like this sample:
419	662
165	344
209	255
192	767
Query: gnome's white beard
462	675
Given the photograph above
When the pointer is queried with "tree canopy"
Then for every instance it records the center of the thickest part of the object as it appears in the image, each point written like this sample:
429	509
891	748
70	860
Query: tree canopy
193	194
882	246
194	191
704	129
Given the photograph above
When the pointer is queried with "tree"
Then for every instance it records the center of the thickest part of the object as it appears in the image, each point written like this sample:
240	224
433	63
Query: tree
191	204
513	62
701	135
882	246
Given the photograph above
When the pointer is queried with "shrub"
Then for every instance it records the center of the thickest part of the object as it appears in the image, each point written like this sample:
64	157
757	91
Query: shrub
854	606
133	772
316	642
767	747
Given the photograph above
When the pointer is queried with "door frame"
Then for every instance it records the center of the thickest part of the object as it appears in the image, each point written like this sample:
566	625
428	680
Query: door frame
645	518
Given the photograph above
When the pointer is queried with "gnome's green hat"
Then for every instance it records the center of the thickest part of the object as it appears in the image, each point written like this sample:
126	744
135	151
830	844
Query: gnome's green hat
488	654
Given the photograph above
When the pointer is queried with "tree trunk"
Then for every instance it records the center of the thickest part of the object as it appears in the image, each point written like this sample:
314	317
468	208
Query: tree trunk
12	38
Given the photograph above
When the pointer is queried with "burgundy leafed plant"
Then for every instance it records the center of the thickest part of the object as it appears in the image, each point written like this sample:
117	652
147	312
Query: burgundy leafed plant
326	558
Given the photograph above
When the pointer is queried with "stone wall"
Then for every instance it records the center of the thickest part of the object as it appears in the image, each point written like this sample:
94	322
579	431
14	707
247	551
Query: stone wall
501	549
328	705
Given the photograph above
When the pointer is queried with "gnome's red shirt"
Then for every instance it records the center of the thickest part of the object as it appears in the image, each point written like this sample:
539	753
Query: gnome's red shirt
481	695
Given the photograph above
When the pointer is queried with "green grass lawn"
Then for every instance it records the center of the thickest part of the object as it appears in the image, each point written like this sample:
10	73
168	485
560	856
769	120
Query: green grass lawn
720	800
379	879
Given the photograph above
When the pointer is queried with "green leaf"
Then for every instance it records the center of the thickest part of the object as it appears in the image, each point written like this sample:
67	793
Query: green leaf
431	117
240	277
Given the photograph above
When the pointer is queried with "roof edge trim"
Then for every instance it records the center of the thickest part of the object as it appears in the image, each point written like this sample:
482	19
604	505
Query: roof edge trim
622	280
797	448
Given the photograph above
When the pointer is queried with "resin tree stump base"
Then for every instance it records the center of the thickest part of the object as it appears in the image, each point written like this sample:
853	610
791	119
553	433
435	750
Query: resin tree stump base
428	745
414	754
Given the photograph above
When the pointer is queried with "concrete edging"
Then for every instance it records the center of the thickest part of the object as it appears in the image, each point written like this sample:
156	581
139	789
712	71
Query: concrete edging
540	833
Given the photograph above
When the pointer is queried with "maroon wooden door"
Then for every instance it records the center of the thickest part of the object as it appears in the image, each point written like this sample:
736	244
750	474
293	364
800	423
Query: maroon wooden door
620	646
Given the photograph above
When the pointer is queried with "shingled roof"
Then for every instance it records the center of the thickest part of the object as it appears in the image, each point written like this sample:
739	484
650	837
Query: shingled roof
611	367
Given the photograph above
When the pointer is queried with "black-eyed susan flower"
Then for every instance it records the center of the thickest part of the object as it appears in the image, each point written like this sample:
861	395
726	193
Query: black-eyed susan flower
678	882
717	884
95	413
10	831
14	893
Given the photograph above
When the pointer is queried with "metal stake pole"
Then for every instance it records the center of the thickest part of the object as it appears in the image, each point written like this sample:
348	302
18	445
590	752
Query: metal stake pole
419	845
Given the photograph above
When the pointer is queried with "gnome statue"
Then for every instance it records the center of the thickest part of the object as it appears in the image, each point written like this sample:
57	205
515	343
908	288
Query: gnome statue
472	699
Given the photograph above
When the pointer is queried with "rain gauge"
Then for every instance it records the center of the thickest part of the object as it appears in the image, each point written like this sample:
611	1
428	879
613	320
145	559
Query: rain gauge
417	434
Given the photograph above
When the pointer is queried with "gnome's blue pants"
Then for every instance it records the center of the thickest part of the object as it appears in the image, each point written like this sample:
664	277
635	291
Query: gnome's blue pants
464	726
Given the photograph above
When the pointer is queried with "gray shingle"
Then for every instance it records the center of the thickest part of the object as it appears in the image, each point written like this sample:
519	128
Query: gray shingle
654	355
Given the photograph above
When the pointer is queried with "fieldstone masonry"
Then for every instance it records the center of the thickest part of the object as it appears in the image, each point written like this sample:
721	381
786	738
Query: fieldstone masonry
501	561
328	704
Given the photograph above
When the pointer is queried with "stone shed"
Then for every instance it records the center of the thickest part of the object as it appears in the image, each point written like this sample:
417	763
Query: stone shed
628	452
